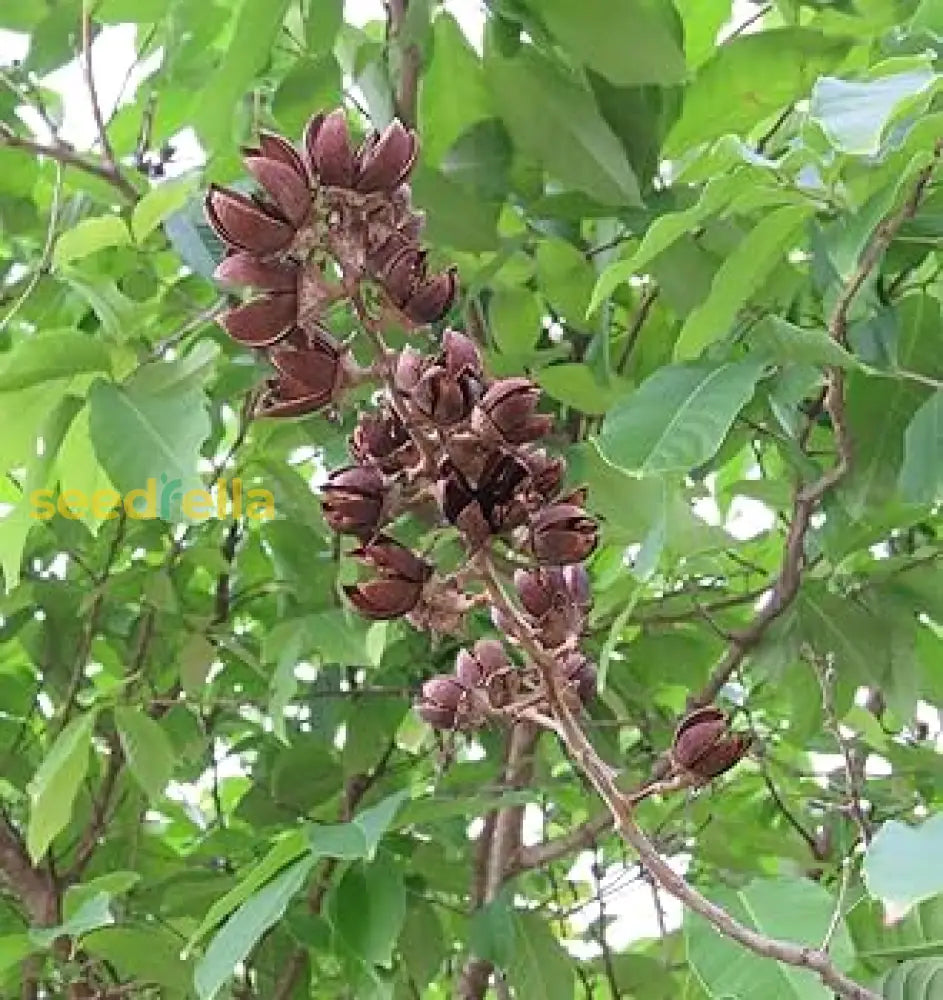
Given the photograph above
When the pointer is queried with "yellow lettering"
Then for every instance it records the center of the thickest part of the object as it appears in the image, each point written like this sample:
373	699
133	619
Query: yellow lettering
42	506
72	504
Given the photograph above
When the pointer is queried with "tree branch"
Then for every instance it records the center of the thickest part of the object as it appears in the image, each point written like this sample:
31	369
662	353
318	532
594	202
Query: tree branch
407	93
69	157
621	807
496	863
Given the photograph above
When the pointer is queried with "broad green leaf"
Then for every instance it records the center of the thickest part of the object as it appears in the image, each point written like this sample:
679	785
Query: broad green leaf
631	42
95	912
257	22
784	342
921	474
159	203
34	504
149	752
55	784
243	930
662	233
900	867
492	931
575	385
454	92
78	469
53	355
112	884
540	967
514	315
678	418
146	954
740	276
879	411
322	24
13	949
552	117
361	836
921	979
195	659
148	437
368	909
290	847
422	942
565	277
88	236
750	78
311	83
854	114
791	909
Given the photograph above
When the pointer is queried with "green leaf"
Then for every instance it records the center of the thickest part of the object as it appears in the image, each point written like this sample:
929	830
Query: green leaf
55	784
492	933
921	474
750	78
791	909
113	884
146	954
422	942
88	236
901	865
360	837
243	930
17	524
13	949
740	276
921	979
148	435
854	114
575	385
540	967
784	342
514	315
454	93
368	910
257	23
195	659
565	277
311	83
630	42
322	24
290	847
552	117
93	913
53	355
159	203
149	752
678	418
662	233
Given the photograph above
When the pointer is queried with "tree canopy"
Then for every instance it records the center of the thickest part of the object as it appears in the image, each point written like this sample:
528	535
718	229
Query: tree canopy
560	512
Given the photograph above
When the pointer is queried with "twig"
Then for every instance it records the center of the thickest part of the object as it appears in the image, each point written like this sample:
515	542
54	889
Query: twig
608	966
43	266
68	157
638	321
503	845
108	154
601	776
853	767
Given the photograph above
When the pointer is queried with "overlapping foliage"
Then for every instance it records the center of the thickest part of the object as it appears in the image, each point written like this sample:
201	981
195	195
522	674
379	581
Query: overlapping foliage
213	780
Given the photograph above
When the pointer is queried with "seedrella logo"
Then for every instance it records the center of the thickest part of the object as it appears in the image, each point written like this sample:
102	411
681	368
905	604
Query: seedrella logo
165	499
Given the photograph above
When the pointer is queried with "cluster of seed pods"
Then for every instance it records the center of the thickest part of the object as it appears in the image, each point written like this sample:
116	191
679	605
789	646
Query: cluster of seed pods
444	443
